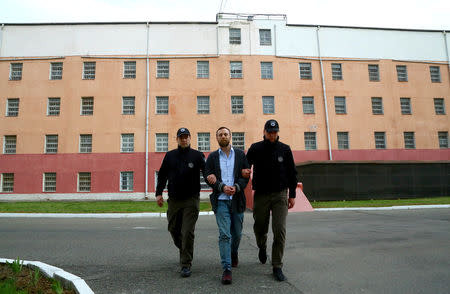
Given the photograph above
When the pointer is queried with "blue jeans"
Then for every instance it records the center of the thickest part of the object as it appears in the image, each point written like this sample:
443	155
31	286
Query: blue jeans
230	231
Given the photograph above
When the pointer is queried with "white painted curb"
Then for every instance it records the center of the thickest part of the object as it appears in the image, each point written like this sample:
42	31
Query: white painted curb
94	215
67	279
406	207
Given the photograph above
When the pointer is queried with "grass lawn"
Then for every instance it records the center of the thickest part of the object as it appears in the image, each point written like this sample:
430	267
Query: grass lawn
381	203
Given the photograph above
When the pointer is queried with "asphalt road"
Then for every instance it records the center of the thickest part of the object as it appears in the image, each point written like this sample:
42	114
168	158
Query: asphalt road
326	252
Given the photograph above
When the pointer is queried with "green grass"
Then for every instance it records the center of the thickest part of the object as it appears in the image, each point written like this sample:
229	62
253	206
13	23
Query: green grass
380	203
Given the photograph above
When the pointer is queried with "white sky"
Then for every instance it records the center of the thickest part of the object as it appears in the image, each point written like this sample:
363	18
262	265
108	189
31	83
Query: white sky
415	14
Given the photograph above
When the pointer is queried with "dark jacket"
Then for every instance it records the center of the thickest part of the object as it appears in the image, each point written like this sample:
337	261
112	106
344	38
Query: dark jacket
273	167
182	168
238	203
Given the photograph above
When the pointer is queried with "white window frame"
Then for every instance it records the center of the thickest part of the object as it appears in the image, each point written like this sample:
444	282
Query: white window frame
340	105
374	72
308	105
236	71
443	140
204	142
202	69
127	181
336	71
49	146
127	143
203	105
9	147
128	108
56	71
439	106
435	74
305	70
84	174
129	69
11	109
409	140
162	69
238	140
237	104
377	109
234	36
89	68
265	37
55	103
162	105
48	184
87	106
310	140
15	71
4	177
405	106
380	140
402	73
267	70
161	142
86	148
268	104
343	141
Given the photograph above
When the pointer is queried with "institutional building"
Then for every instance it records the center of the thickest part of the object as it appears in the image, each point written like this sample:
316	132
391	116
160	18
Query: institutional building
88	110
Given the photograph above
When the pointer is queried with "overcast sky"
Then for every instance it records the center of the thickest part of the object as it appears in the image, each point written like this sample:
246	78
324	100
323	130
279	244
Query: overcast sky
415	14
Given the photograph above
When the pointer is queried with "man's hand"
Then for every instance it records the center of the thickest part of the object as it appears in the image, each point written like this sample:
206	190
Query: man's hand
160	200
229	190
291	203
246	173
211	179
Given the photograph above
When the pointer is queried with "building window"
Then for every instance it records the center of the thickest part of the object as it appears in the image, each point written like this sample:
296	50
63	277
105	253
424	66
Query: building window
129	69
268	104
87	105
336	71
56	70
443	139
235	36
202	69
380	140
162	105
203	142
88	70
265	37
377	105
310	141
439	106
402	74
162	69
128	105
308	104
342	140
236	69
237	104
305	71
9	145
84	182
53	106
203	104
12	107
340	105
51	144
162	142
15	72
410	142
49	182
126	181
85	143
435	73
266	70
374	73
238	140
127	143
405	105
7	184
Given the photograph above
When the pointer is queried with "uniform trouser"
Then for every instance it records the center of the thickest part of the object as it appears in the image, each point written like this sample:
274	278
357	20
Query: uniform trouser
277	203
182	216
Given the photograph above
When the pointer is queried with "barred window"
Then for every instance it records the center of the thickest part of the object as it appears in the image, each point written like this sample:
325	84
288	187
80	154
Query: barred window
203	104
305	71
162	105
203	142
410	142
162	69
162	142
308	104
86	143
84	182
126	181
56	70
49	182
443	139
374	73
202	69
336	71
238	140
265	37
12	107
128	105
439	106
236	69
405	105
9	145
129	69
237	104
310	141
342	140
340	105
51	143
435	73
87	105
127	143
234	36
377	105
53	106
7	183
268	104
266	70
88	70
402	73
15	71
380	140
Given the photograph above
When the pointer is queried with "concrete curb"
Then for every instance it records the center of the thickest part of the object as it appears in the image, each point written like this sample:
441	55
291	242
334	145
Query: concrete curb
385	208
68	280
94	215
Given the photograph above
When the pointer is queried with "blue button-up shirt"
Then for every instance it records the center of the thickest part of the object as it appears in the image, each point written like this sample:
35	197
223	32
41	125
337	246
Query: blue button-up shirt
227	171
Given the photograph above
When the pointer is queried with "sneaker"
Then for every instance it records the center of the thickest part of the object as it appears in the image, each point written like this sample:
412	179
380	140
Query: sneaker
185	272
262	255
226	277
278	274
234	260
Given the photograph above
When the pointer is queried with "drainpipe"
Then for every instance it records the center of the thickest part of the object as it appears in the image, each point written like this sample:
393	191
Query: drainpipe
146	117
446	51
324	95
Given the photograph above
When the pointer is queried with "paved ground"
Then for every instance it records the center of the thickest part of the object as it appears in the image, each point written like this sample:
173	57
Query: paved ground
327	252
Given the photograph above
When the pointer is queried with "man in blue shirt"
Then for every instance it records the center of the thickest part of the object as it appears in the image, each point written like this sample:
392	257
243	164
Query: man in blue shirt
224	174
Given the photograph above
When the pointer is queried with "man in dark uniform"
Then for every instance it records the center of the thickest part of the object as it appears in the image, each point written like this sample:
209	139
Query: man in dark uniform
274	174
181	167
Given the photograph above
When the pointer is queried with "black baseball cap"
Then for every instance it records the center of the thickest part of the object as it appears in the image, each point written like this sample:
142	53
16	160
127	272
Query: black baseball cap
271	126
183	131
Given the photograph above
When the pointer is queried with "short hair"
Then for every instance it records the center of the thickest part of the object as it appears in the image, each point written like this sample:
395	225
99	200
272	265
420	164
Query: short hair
221	128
